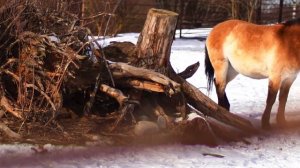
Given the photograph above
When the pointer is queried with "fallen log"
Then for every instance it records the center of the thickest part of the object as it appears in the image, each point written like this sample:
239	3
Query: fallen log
221	130
208	107
121	70
142	85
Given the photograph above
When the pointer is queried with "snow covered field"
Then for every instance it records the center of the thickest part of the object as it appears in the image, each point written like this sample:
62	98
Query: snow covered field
276	148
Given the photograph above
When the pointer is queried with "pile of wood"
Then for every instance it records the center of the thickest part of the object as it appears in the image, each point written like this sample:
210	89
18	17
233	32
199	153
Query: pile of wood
48	63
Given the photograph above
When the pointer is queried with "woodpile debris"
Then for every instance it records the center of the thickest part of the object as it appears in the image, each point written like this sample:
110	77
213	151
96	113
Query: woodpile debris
50	65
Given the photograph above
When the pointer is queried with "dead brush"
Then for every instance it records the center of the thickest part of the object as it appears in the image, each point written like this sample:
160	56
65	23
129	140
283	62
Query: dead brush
39	51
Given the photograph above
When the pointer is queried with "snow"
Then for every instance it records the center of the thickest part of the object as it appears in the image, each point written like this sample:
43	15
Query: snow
276	148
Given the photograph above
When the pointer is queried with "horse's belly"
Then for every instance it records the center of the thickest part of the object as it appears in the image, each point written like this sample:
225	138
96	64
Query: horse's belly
248	60
249	68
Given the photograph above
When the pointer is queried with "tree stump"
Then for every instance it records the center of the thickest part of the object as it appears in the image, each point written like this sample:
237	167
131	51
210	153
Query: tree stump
155	40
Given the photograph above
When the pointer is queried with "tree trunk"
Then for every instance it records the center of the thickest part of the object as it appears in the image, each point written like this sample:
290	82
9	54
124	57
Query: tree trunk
157	36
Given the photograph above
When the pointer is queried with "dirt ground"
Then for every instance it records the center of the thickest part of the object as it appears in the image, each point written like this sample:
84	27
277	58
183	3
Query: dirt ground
67	130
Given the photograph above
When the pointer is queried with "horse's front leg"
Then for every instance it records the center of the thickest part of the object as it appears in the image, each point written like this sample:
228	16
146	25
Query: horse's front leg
272	93
283	94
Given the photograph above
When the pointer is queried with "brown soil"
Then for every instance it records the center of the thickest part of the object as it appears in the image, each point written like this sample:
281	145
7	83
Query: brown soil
67	130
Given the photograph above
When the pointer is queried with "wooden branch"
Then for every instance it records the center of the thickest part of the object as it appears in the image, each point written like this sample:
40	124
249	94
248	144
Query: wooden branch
220	129
115	93
189	71
210	108
124	70
142	85
5	103
135	96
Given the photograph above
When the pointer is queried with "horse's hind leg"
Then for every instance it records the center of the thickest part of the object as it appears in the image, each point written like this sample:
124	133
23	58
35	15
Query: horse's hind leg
222	97
272	93
283	94
223	74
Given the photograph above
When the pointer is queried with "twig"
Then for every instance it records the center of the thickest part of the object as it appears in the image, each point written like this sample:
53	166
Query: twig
127	108
105	61
9	108
88	106
34	87
213	154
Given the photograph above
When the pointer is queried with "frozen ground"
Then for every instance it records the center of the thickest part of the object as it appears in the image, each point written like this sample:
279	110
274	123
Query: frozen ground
277	148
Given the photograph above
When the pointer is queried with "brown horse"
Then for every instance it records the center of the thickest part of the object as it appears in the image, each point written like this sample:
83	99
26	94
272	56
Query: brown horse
256	51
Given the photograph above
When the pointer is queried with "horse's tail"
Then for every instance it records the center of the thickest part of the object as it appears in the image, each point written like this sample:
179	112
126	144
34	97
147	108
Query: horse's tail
209	71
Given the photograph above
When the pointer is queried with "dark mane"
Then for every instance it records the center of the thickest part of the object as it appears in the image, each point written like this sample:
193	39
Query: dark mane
292	22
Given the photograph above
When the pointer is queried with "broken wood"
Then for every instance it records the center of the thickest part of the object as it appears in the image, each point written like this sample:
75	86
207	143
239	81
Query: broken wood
129	107
121	70
189	71
142	85
115	93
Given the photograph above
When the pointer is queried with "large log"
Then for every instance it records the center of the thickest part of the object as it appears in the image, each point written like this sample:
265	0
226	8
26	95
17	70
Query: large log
208	107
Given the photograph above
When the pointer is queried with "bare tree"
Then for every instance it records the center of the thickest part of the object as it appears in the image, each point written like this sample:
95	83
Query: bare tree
252	7
244	9
235	9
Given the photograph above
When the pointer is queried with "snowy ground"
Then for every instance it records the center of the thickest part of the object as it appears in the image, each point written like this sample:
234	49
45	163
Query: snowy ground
277	148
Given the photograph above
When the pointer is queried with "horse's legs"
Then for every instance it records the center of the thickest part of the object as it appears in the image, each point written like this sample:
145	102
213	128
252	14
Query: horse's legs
272	93
222	97
224	73
283	94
